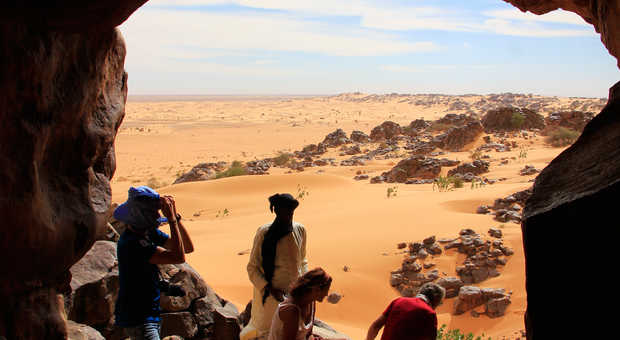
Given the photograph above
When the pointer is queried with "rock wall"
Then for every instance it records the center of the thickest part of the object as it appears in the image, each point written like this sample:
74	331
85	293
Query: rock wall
63	98
577	191
604	15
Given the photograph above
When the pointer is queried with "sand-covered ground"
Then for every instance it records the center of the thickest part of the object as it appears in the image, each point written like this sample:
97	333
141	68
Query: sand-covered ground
349	223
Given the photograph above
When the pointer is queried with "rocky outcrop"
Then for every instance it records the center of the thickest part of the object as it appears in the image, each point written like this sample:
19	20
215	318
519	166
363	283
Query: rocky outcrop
414	167
336	138
63	98
579	188
495	300
575	120
201	172
512	119
456	138
359	137
477	167
385	131
77	331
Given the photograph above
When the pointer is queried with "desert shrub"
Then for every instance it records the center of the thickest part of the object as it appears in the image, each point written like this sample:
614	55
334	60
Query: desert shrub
302	192
447	183
475	154
456	334
282	159
155	183
517	120
561	136
235	169
392	191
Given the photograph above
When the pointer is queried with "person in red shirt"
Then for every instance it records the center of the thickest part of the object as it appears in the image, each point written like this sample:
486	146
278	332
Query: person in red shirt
410	318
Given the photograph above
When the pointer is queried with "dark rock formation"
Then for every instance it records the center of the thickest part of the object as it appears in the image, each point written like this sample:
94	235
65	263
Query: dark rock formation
77	331
336	138
456	120
575	120
416	167
359	137
63	98
495	300
385	131
457	137
503	119
476	167
201	172
578	188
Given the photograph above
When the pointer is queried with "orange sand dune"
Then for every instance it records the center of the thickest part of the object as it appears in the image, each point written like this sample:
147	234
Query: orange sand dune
349	223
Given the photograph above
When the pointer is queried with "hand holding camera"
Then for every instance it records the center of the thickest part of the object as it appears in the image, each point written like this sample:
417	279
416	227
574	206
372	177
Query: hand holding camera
168	208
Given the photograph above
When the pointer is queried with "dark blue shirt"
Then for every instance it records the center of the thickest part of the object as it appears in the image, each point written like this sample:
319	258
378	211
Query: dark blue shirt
138	295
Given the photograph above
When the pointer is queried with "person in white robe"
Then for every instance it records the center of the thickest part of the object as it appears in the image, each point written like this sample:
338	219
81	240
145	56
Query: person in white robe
271	272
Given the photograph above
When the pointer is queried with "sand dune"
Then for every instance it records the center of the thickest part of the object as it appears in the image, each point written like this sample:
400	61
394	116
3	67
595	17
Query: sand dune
349	223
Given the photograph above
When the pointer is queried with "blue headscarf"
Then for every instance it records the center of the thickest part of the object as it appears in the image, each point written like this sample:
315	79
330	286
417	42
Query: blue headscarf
141	210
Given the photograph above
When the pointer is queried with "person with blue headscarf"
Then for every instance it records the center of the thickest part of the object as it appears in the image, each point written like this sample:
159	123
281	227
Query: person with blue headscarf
140	249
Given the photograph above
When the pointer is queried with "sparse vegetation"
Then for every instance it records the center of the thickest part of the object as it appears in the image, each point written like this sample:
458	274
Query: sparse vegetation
392	191
447	183
282	159
302	192
561	137
517	120
475	154
523	152
477	183
235	169
456	334
222	213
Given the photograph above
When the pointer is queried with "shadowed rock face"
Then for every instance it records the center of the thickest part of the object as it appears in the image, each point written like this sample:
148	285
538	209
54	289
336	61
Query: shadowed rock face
63	89
604	15
576	192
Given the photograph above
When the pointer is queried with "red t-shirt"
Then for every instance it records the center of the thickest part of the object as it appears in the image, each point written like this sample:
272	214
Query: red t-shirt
409	319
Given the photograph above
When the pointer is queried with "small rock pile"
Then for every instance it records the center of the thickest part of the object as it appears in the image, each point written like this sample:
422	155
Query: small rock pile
202	172
387	130
258	167
336	138
483	257
420	167
508	208
469	171
528	170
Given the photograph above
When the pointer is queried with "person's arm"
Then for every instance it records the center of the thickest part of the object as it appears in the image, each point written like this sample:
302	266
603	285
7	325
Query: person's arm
290	322
375	327
176	253
255	266
304	260
188	245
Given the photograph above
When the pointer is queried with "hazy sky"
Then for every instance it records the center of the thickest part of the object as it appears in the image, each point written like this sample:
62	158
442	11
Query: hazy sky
374	46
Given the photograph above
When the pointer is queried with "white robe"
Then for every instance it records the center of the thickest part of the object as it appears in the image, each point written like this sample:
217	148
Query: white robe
290	263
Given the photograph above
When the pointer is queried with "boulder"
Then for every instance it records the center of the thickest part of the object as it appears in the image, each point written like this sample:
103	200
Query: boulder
227	325
476	167
359	137
456	138
336	138
77	331
528	170
189	279
201	172
452	285
387	130
575	120
416	166
178	323
469	297
497	307
94	288
334	298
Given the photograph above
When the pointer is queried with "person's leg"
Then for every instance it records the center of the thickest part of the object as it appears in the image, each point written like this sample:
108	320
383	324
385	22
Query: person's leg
134	333
150	330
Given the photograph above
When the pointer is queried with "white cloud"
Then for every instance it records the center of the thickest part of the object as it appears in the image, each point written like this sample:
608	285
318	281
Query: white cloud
431	68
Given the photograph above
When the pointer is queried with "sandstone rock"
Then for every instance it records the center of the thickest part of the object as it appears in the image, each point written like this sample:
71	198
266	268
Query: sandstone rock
469	297
457	137
336	138
94	287
575	120
258	167
359	137
476	167
178	323
402	245
76	331
494	232
189	279
528	170
483	209
385	131
226	325
201	172
497	307
416	166
360	177
452	286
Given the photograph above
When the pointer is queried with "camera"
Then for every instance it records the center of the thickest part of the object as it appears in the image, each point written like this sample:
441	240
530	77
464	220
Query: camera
171	289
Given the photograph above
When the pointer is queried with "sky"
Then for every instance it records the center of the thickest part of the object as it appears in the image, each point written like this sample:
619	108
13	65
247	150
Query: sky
323	47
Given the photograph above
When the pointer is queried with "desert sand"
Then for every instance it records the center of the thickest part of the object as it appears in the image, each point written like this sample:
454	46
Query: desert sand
349	223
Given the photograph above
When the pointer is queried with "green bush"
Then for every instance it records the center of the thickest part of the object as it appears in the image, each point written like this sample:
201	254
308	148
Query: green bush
282	159
447	183
456	334
517	120
235	169
562	137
